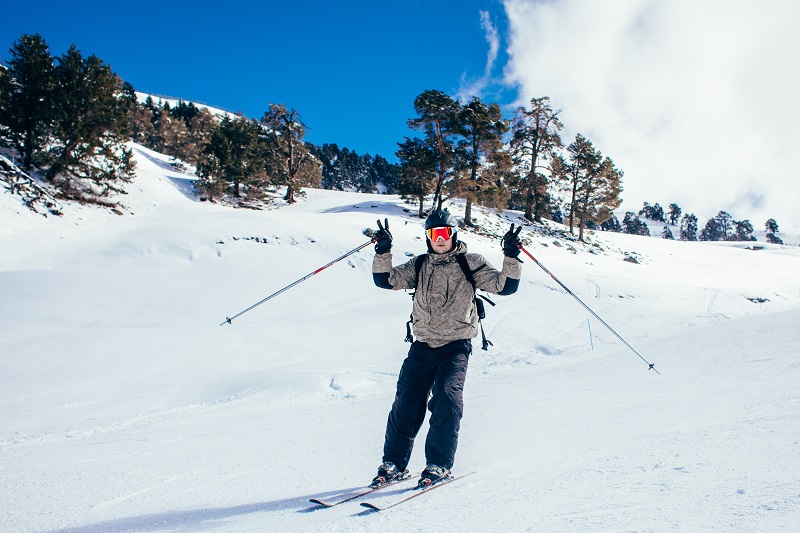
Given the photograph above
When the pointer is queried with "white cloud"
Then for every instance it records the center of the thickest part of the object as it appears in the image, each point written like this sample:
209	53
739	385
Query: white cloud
470	88
694	100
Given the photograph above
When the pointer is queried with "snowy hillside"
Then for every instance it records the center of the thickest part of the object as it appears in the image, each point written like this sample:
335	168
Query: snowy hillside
162	100
124	405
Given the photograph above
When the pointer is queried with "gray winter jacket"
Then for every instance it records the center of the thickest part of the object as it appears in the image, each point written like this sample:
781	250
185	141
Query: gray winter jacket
444	308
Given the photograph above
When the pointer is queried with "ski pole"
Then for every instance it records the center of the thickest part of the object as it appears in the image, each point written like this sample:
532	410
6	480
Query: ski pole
317	271
650	365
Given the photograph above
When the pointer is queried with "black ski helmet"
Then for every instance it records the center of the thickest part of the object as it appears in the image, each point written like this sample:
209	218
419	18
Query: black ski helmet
440	219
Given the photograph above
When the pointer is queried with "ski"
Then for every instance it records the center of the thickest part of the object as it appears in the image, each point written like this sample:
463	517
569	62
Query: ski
413	493
348	495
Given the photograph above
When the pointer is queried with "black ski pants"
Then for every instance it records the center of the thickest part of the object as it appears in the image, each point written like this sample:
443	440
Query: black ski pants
440	373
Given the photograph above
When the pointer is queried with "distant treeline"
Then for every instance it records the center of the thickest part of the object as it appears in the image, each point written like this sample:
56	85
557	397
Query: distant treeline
722	227
68	118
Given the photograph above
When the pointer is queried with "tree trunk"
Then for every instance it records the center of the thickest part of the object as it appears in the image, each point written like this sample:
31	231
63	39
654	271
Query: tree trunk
27	161
529	200
572	205
421	206
585	208
289	194
468	214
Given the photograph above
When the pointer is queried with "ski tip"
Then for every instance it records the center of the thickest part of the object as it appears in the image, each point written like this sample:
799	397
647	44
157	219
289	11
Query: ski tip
371	506
320	502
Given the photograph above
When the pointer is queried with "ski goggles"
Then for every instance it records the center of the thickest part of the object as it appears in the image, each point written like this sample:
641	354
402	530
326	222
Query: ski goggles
440	234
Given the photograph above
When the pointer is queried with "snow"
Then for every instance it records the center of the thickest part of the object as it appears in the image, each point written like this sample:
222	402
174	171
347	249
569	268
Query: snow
126	407
161	100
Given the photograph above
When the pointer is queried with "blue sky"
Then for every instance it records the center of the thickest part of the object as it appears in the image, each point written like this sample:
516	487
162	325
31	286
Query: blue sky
351	68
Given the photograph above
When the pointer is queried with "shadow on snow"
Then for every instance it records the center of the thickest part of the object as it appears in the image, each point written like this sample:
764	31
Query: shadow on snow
196	517
377	207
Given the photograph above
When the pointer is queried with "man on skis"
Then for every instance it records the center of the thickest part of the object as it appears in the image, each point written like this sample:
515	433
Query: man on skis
445	320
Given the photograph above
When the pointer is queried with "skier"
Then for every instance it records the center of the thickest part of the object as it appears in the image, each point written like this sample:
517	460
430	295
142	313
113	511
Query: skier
445	321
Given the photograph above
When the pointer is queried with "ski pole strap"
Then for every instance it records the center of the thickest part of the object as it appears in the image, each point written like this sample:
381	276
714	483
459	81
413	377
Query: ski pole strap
487	299
486	342
409	336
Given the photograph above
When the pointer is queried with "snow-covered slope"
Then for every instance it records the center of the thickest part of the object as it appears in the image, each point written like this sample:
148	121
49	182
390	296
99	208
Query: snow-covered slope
126	407
161	100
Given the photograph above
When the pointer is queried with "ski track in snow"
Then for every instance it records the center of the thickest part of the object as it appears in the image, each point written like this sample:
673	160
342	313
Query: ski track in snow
126	407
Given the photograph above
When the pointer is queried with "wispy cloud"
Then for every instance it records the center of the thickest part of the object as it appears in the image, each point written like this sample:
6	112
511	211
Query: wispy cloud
475	87
695	101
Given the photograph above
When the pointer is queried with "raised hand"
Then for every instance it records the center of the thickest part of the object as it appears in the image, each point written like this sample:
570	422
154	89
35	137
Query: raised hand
512	243
383	238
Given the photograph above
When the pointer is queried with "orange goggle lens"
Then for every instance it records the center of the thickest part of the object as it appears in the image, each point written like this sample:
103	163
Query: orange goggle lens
440	234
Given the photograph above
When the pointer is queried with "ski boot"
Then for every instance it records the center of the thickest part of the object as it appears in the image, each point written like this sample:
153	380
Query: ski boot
432	475
387	473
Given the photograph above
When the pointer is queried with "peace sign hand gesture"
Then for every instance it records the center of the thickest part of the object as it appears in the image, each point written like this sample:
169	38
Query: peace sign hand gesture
383	238
512	243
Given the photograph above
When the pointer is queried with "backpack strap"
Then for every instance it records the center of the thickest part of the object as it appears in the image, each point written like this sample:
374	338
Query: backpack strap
418	262
469	274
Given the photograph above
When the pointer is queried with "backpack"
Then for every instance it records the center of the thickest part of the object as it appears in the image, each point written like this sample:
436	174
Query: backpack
462	262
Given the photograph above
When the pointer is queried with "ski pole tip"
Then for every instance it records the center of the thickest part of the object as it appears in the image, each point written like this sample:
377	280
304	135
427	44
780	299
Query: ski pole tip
227	321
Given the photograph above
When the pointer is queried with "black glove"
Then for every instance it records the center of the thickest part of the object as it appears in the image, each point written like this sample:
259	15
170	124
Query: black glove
383	238
512	242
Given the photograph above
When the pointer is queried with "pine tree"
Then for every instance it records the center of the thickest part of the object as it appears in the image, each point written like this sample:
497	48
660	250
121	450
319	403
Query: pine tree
288	160
186	112
771	226
653	212
596	183
235	161
437	119
498	169
349	167
634	225
771	238
556	215
90	127
744	230
674	214
200	127
724	228
612	224
711	231
417	171
174	135
140	116
26	99
386	174
482	127
689	227
583	160
599	194
657	213
327	154
666	233
535	137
